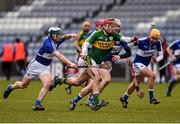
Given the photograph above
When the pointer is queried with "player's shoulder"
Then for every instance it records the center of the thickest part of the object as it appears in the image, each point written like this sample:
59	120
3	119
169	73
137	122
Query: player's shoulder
177	41
143	39
81	32
48	42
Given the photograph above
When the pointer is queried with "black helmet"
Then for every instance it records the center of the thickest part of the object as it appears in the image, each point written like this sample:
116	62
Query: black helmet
55	30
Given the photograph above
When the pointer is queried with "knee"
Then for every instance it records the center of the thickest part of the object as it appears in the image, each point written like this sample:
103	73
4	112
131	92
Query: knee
74	82
47	85
153	76
23	86
108	80
97	78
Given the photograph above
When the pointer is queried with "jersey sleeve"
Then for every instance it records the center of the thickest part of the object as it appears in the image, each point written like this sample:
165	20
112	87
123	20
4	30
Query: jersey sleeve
173	45
124	44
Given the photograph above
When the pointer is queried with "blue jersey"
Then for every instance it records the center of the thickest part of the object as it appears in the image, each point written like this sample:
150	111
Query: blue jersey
44	55
146	50
175	46
116	49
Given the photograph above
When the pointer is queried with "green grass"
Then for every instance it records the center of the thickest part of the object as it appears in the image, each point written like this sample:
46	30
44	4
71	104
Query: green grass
17	108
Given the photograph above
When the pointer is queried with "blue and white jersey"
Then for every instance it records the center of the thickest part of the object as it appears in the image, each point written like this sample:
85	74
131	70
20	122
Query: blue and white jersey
44	55
146	50
175	47
118	45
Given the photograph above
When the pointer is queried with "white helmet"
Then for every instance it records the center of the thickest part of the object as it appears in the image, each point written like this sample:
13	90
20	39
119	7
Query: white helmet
55	30
118	22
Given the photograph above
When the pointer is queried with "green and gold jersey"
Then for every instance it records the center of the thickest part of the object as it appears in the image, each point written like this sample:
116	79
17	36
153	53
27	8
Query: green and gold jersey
82	38
102	45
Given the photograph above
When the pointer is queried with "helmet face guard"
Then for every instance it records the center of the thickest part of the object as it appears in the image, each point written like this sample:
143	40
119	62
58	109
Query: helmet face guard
110	26
118	24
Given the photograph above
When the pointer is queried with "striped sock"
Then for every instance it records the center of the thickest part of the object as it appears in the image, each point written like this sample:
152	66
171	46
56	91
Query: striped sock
151	93
77	98
126	96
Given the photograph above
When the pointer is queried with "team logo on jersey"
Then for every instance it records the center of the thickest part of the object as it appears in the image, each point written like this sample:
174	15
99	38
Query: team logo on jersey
110	38
118	42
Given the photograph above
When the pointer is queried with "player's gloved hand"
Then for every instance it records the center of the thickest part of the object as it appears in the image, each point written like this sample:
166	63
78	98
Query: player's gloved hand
134	39
174	58
116	58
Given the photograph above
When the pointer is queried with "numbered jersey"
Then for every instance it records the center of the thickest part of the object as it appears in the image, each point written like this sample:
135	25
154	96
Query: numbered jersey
102	45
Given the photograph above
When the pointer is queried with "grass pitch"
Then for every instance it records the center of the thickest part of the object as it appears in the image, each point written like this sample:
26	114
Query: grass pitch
17	108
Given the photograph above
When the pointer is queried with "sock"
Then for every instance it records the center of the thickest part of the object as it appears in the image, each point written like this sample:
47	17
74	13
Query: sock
11	87
38	102
151	93
77	98
172	82
126	96
95	99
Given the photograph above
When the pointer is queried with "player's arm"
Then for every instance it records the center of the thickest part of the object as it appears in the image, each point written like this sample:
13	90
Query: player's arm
132	41
63	59
124	55
160	53
71	36
87	44
169	51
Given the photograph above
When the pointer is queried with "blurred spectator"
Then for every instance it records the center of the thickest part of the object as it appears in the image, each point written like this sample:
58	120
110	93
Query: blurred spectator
20	54
163	74
7	58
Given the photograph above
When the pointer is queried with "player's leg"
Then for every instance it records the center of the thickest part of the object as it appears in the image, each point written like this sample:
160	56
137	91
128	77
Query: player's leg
146	72
85	91
17	85
46	81
75	80
106	78
173	81
129	91
96	84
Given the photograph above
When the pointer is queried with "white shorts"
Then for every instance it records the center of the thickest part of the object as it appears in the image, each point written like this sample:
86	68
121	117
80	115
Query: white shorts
138	67
82	63
177	66
35	69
